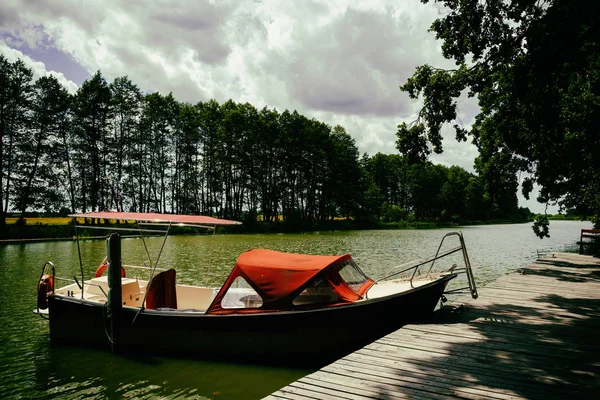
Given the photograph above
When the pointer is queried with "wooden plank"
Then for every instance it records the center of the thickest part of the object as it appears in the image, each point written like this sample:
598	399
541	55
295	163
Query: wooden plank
292	393
495	387
593	236
481	355
283	395
583	291
542	363
537	310
496	379
492	344
410	378
335	386
304	386
475	357
532	312
580	278
575	307
387	385
527	292
464	365
493	324
535	280
362	386
534	340
376	389
457	363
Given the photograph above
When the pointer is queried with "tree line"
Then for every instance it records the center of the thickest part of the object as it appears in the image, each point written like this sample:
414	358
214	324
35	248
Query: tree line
109	146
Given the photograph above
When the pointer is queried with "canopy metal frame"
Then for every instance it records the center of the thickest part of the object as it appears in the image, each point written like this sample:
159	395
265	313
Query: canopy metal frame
141	231
415	265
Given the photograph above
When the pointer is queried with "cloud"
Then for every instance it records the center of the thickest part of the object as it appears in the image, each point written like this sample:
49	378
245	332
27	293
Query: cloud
38	68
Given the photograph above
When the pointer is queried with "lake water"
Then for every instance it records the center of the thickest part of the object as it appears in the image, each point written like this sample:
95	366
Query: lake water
33	369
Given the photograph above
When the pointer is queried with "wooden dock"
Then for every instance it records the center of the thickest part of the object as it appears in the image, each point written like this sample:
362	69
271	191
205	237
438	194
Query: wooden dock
533	334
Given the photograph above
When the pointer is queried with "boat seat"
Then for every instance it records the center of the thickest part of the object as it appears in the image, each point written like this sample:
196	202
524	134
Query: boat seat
99	286
131	294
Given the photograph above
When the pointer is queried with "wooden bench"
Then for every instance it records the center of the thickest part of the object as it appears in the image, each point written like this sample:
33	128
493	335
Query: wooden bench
593	234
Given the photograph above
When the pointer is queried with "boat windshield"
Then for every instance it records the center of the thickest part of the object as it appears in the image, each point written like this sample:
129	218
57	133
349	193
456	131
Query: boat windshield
241	295
351	273
318	292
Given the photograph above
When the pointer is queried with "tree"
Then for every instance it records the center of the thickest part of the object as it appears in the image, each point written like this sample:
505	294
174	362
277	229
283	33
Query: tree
38	177
269	156
476	201
212	154
390	173
292	127
15	98
156	137
92	112
62	151
185	178
453	193
427	181
535	69
342	175
126	105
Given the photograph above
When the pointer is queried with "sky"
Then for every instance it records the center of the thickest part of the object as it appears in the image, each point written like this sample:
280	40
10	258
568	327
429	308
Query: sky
338	61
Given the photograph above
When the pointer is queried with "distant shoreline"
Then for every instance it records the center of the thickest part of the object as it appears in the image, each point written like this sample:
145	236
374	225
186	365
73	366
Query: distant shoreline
36	230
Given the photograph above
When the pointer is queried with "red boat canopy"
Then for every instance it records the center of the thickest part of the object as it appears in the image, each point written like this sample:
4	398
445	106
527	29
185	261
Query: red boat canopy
157	217
278	278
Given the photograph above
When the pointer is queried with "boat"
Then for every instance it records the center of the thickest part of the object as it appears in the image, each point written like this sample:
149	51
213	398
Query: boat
273	307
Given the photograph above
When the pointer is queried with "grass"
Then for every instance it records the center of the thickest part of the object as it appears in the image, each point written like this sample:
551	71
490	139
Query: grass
50	221
42	221
36	228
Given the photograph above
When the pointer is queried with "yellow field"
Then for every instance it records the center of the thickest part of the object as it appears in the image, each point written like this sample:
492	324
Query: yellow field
45	221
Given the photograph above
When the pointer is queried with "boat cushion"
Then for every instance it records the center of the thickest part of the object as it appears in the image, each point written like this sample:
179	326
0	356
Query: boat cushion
161	291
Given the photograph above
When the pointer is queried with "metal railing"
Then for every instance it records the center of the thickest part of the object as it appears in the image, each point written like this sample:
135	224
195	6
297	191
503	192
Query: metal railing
416	264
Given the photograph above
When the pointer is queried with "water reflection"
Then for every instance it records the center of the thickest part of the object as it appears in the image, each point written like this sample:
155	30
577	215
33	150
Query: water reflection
84	373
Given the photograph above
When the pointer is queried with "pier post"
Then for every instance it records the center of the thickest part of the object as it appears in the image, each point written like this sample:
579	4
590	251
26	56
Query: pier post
114	304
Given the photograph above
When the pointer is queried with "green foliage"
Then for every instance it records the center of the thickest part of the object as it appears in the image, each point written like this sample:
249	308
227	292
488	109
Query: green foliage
393	213
399	191
541	226
535	69
16	91
412	142
37	188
